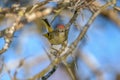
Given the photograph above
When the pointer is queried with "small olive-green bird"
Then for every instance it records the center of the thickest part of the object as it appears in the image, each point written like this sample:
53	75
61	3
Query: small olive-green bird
57	36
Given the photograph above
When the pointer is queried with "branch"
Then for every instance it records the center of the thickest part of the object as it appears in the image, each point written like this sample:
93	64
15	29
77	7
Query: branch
70	48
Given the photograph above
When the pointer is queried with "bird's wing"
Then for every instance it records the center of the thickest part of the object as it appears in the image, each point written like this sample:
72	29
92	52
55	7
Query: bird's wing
43	24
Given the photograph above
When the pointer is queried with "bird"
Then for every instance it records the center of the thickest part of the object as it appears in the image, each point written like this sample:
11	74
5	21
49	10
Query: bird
57	36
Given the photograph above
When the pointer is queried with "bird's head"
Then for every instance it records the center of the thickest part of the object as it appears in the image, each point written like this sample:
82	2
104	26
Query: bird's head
60	28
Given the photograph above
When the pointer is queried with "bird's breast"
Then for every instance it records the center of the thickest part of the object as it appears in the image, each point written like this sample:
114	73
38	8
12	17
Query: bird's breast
58	39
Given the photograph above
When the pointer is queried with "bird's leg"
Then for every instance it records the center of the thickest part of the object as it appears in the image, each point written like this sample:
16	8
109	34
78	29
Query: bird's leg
63	46
54	51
